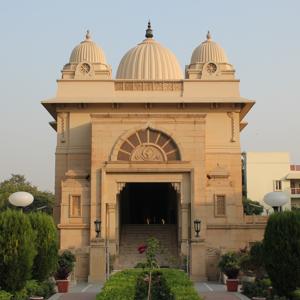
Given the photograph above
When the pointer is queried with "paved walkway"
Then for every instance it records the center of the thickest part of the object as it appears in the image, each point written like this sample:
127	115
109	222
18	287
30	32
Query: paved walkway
216	291
208	290
80	291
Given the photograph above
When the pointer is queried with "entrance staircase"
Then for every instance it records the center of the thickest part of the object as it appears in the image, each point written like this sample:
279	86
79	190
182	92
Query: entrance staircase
133	236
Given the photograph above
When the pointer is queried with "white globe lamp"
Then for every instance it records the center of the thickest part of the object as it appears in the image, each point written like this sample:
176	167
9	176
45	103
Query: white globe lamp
276	200
20	199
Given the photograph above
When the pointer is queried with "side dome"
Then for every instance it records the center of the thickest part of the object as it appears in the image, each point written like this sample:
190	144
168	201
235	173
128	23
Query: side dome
87	51
149	60
209	51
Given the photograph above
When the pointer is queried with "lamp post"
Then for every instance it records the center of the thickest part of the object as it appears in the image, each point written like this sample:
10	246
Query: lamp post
97	227
276	200
197	227
20	199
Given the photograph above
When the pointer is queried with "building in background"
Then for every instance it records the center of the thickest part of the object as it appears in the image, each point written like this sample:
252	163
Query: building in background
294	178
265	172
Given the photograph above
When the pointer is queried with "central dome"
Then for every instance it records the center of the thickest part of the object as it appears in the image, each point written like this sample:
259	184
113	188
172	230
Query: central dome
149	60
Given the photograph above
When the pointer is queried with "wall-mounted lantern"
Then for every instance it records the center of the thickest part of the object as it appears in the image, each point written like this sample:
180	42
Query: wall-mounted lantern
197	227
97	227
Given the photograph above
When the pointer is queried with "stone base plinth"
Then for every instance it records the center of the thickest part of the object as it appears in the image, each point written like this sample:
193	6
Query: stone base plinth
97	261
198	260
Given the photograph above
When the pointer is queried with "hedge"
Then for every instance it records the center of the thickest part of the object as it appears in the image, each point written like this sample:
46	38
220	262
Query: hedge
282	251
5	295
122	285
181	286
17	250
45	262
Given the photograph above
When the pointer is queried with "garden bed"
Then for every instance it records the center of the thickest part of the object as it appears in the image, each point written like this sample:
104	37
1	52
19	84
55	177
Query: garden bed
130	285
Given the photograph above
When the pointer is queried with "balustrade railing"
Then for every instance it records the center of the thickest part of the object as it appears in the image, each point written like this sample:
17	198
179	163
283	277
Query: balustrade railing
295	191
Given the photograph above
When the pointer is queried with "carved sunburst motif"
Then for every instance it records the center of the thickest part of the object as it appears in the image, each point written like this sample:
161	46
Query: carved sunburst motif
148	145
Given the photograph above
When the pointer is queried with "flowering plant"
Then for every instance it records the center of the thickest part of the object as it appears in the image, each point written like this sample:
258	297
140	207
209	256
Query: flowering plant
142	249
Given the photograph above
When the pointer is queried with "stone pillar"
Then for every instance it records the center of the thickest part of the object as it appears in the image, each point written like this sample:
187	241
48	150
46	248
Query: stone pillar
198	260
97	261
111	212
185	209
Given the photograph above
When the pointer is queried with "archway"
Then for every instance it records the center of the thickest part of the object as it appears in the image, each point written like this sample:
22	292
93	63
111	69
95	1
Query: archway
148	203
148	210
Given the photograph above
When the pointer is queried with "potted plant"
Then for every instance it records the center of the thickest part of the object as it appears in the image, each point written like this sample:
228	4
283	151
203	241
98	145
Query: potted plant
230	266
65	266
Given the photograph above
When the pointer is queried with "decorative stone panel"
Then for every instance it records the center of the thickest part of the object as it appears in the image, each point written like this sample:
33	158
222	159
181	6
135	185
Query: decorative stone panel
148	145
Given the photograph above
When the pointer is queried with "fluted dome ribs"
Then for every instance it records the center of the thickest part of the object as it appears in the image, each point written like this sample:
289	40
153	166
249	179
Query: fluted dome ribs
149	60
88	51
209	51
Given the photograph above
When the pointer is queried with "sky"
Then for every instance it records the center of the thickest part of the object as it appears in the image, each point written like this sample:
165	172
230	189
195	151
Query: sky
261	39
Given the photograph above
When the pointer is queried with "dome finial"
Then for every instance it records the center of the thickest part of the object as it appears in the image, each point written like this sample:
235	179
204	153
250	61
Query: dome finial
208	36
88	36
149	33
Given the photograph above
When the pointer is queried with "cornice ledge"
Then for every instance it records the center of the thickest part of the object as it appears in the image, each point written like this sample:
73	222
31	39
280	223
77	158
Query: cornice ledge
236	226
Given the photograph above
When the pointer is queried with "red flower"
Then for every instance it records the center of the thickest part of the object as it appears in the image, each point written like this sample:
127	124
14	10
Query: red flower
142	249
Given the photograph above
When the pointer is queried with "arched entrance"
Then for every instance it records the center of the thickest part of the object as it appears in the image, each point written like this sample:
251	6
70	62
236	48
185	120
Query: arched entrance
148	210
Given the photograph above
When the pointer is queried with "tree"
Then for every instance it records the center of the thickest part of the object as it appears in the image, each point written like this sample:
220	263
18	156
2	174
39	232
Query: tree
252	207
282	251
45	262
18	183
17	250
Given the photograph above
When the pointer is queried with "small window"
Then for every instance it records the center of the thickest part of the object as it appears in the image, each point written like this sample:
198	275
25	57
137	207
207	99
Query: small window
75	206
220	205
277	185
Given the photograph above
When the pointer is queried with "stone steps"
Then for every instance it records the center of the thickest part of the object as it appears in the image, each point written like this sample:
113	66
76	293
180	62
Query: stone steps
133	236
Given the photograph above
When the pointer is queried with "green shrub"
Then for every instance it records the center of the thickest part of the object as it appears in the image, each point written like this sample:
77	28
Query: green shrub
295	295
259	288
120	286
48	288
35	288
20	295
253	261
180	285
45	262
65	266
159	288
252	207
229	264
17	250
282	251
5	295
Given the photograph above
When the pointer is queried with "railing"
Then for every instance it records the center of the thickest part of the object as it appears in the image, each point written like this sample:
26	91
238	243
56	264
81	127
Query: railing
255	219
295	167
295	191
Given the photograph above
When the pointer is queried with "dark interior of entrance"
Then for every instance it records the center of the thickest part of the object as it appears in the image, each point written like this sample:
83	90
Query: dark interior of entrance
148	203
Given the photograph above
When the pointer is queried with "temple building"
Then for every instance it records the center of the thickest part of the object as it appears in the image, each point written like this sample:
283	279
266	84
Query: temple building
148	153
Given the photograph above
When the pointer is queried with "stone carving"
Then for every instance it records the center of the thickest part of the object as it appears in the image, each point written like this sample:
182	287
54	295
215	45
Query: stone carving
211	251
63	118
148	145
176	186
231	116
148	86
120	186
147	153
219	172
